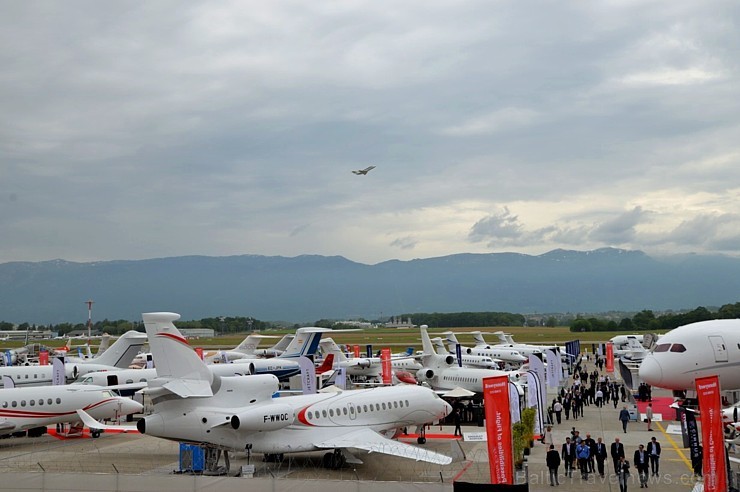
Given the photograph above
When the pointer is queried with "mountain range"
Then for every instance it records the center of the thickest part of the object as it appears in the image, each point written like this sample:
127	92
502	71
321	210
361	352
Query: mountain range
310	287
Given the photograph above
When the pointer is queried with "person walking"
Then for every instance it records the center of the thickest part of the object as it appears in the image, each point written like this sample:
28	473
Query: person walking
600	455
456	419
553	463
653	451
623	473
547	436
641	462
557	407
582	452
599	398
568	453
624	416
591	443
616	452
649	417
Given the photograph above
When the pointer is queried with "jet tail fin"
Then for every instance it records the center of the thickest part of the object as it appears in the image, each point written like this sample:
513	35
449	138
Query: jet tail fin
305	342
122	351
174	357
326	365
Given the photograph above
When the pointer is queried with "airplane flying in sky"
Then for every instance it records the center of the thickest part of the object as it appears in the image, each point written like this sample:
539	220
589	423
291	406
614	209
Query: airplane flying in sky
364	171
119	355
34	408
191	404
695	350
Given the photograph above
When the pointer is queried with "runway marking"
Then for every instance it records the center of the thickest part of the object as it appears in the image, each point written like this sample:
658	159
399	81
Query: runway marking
675	446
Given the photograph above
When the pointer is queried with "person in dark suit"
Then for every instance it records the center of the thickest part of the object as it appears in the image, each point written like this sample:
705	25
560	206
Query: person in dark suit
653	451
591	443
553	463
600	455
568	453
642	462
616	452
623	473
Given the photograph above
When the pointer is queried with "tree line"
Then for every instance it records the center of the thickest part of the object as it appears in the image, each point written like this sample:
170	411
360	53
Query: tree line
647	320
465	319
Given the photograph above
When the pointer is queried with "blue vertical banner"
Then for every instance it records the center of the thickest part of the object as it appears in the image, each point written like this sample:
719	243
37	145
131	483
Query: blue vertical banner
458	353
369	349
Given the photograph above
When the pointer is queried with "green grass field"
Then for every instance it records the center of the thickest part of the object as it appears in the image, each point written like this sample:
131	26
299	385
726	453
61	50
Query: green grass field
401	338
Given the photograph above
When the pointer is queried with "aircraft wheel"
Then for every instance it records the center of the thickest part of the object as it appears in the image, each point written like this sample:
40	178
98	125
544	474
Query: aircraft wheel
421	440
95	434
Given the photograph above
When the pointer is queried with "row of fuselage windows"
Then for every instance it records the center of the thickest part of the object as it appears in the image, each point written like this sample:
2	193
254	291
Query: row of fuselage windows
31	403
460	379
372	407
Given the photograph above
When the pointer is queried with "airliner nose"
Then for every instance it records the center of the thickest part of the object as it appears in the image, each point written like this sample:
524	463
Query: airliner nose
650	371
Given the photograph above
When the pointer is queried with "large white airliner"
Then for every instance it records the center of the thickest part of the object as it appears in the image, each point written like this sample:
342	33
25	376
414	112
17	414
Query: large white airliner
695	350
119	355
192	404
34	408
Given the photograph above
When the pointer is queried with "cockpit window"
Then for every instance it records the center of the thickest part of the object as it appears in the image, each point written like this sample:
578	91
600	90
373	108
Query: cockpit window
677	347
662	347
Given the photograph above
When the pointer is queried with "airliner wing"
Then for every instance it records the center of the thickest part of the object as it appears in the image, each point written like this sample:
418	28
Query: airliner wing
94	424
371	441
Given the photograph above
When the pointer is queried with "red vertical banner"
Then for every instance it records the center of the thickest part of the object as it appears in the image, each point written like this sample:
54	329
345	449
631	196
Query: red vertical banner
356	351
610	357
385	365
199	351
498	429
43	358
712	435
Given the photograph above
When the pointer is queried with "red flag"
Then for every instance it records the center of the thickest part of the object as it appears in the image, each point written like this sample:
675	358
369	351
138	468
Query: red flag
712	434
199	351
498	429
609	357
385	364
356	350
43	358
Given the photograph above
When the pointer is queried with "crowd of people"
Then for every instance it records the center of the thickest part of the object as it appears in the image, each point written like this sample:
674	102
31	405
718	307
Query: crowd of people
589	455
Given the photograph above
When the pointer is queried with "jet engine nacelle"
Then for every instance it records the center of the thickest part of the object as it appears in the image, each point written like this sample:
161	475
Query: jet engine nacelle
151	424
361	363
428	374
450	360
264	418
469	351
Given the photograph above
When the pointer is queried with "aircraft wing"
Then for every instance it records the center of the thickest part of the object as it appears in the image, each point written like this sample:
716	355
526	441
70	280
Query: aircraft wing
371	441
6	425
94	424
186	388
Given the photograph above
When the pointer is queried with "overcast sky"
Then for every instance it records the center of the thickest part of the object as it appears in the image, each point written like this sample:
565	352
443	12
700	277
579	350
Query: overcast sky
134	130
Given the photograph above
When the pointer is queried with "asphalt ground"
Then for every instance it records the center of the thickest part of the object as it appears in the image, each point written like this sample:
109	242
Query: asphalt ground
137	454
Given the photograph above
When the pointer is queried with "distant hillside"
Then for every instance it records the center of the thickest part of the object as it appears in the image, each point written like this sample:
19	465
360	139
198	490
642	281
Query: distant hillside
307	288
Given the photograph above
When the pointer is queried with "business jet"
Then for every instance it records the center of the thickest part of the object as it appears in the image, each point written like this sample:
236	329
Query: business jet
505	354
363	171
695	350
191	404
371	367
32	409
507	340
248	349
480	361
119	355
442	373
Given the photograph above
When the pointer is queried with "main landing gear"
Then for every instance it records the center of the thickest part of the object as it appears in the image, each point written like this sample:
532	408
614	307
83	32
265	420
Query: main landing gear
334	461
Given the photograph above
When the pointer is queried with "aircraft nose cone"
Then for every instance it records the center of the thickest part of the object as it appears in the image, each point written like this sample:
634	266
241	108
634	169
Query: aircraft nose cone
447	408
129	406
650	371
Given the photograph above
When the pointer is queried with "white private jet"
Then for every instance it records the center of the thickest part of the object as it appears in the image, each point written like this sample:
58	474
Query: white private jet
503	353
695	350
119	355
480	361
441	372
363	171
370	367
34	408
247	349
191	404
